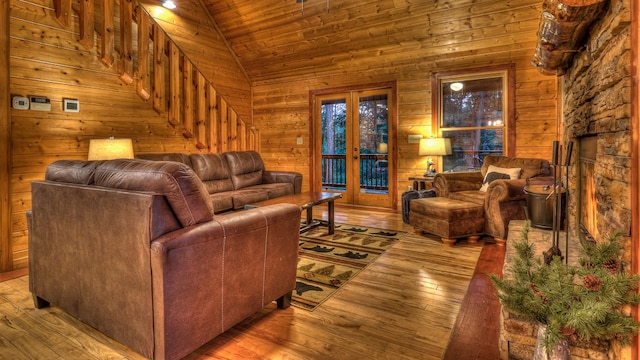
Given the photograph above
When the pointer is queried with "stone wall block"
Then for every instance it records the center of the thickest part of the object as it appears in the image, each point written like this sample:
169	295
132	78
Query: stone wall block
520	327
520	351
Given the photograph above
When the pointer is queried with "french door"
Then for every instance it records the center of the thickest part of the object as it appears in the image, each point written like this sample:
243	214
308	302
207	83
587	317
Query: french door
352	141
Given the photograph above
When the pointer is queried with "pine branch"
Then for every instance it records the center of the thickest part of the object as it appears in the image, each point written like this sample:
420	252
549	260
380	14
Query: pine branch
583	302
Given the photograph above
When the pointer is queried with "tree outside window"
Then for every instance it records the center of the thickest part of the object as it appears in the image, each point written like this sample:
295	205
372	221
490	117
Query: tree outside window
474	109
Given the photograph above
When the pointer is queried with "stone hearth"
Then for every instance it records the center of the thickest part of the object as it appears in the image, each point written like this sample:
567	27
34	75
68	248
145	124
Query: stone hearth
518	336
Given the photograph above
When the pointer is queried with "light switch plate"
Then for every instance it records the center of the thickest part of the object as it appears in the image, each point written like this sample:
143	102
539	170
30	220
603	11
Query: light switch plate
299	141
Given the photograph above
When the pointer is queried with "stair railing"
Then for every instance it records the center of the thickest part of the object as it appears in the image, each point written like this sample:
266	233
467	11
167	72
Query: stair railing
189	100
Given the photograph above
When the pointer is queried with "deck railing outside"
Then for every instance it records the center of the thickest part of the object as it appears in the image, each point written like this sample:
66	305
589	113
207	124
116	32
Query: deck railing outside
373	171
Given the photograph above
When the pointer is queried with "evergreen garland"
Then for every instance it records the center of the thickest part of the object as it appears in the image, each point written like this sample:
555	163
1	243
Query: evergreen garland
582	302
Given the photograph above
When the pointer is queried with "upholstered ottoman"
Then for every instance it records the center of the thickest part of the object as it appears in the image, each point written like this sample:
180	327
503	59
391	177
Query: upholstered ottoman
448	218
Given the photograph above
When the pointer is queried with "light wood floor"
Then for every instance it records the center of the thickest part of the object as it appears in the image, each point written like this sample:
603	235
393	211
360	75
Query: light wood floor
403	306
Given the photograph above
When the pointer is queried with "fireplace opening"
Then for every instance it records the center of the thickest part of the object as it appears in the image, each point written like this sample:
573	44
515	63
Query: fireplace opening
587	199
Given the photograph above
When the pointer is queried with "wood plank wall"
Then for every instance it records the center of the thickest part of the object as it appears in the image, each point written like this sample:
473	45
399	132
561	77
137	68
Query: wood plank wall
5	140
281	108
192	29
47	60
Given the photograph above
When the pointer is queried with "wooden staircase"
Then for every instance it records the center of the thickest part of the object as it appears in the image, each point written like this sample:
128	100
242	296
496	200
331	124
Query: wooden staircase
165	75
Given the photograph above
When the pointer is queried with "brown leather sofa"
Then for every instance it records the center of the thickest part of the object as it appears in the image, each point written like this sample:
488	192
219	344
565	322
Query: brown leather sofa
236	178
503	200
133	249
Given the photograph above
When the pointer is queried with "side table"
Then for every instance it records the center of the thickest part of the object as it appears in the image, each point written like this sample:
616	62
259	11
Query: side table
422	182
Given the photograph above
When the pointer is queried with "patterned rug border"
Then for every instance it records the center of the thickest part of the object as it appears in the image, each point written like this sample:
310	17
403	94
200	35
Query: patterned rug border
347	251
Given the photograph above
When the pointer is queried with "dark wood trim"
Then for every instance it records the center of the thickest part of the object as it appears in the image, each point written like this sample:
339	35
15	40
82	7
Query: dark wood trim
393	143
476	332
5	276
510	68
5	142
312	141
635	155
338	89
511	117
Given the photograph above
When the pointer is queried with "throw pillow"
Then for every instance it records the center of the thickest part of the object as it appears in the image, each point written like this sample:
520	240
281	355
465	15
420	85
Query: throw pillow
496	173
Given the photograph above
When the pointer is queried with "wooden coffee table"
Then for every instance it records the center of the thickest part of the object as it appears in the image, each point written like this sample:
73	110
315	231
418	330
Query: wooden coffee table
307	200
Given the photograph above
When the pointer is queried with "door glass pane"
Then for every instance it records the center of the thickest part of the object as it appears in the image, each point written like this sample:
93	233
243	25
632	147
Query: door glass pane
373	129
334	144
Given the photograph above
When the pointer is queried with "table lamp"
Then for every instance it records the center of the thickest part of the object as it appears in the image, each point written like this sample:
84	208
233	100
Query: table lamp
433	147
109	149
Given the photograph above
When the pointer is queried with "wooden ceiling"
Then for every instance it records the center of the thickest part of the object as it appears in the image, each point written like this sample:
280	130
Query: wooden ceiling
276	39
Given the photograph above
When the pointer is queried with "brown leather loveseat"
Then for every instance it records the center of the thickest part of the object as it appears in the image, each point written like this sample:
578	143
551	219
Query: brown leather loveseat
132	248
236	178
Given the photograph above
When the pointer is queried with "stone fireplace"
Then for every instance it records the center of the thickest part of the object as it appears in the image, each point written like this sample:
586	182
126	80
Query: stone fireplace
600	176
596	93
596	116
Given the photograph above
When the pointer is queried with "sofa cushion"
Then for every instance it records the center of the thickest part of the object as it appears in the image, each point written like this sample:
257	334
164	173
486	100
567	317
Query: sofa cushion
497	173
72	171
177	157
213	171
176	181
244	197
473	196
246	168
275	189
530	167
222	201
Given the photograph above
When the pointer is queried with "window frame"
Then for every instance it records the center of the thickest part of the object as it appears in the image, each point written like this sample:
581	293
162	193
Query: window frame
506	71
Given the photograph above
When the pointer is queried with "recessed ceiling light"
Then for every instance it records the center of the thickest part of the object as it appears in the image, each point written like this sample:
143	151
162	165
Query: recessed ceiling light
169	4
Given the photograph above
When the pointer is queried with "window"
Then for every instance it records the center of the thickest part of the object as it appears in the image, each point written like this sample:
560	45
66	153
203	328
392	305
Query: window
475	109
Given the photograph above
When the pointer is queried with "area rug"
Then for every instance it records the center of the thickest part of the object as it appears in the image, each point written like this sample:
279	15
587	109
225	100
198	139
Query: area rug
327	262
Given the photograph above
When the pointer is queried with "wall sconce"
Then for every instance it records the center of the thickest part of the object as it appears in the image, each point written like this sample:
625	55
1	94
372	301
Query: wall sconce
433	147
109	149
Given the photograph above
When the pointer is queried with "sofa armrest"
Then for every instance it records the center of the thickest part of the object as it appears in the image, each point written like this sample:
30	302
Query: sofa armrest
292	177
208	277
513	190
446	183
506	190
506	201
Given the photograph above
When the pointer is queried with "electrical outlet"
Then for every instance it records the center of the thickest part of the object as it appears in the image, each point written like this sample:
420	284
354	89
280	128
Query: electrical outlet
299	141
414	139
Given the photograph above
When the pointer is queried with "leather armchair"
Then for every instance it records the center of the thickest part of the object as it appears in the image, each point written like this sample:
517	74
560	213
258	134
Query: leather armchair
504	200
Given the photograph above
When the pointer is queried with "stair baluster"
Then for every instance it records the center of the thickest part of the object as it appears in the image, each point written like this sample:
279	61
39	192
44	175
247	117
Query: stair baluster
192	103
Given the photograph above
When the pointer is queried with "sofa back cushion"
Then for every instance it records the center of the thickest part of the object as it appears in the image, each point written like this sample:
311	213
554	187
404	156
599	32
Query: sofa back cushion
184	192
530	167
177	157
213	171
72	171
246	168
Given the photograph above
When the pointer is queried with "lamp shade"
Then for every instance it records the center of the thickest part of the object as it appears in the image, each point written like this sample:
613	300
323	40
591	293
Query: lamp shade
434	147
108	149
